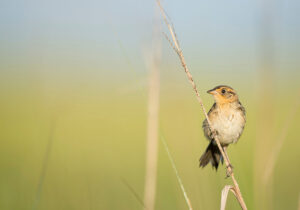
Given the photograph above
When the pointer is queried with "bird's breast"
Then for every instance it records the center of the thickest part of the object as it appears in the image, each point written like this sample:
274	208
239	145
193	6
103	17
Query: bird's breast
229	125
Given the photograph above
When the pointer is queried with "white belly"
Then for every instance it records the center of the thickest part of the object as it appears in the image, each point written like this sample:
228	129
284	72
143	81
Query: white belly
229	126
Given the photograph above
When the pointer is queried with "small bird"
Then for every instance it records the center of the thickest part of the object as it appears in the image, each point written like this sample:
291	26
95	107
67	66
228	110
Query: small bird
227	118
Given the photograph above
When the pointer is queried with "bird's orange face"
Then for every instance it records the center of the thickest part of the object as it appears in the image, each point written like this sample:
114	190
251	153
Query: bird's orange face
223	94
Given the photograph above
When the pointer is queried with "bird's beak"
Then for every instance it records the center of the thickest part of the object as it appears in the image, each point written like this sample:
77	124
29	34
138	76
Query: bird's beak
212	92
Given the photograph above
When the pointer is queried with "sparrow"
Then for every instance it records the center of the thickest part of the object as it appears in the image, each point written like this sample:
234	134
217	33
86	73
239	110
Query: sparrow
227	117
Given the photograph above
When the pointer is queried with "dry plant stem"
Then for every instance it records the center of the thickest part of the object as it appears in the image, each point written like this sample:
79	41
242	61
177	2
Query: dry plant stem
230	168
152	142
187	200
183	63
225	151
224	195
152	129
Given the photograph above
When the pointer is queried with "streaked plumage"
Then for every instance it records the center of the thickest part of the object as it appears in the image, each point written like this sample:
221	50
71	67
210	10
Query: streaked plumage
227	116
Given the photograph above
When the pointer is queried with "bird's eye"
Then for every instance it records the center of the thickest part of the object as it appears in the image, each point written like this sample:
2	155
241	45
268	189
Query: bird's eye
223	91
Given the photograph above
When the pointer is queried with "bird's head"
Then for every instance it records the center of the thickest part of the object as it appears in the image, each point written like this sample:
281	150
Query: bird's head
224	94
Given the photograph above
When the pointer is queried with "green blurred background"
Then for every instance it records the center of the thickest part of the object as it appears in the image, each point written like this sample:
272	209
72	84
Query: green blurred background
74	84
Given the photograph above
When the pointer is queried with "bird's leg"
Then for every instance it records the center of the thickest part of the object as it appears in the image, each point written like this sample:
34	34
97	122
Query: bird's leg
229	167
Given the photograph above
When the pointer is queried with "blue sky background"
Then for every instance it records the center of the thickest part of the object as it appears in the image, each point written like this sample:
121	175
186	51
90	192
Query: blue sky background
94	39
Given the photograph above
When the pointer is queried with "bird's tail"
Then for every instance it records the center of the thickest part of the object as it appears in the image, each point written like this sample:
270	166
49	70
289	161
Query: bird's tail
212	154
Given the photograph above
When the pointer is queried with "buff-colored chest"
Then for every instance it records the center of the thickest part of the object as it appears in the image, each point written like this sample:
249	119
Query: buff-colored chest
229	123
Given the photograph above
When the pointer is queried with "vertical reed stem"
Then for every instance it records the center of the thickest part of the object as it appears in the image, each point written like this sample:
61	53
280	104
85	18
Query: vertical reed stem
152	126
176	47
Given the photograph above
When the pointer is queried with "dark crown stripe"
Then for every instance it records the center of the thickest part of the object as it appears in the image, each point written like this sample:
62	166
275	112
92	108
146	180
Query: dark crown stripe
222	86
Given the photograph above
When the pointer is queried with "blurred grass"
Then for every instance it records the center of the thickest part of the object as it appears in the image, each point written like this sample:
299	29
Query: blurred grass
100	139
62	62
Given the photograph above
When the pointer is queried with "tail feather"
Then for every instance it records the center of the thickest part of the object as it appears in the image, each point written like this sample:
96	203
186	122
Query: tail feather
213	155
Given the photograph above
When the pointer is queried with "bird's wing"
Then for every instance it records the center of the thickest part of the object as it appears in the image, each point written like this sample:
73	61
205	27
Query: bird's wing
205	125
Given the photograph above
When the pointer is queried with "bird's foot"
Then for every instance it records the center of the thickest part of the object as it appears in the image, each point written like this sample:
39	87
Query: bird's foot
229	170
